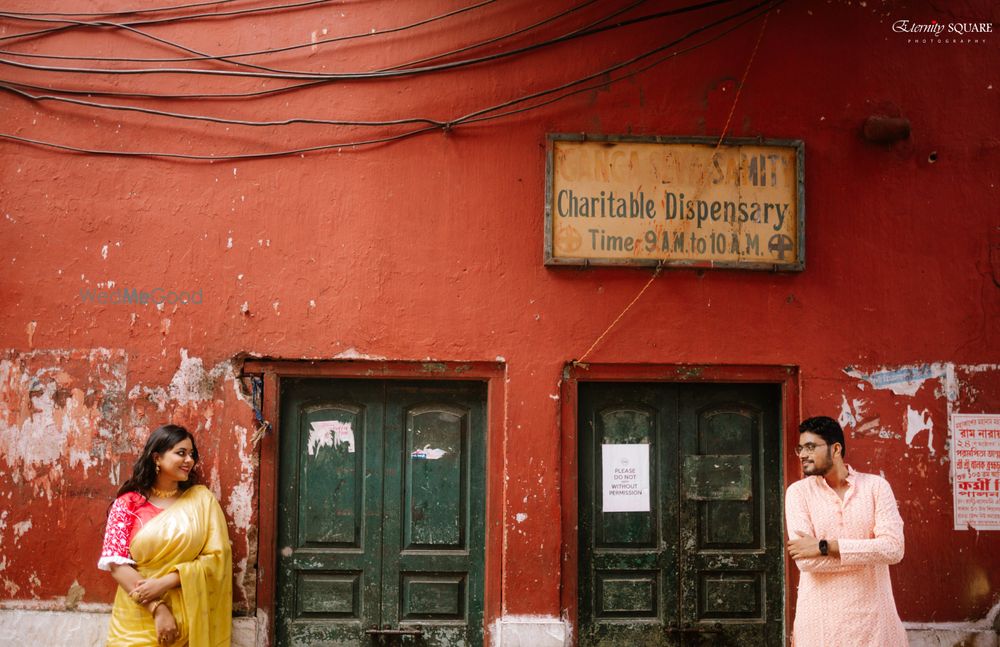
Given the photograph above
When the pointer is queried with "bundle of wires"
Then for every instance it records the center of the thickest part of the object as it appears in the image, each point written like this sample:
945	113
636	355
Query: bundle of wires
235	66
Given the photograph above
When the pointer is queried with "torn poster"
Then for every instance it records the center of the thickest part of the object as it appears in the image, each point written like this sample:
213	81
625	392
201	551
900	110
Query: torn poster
975	464
330	433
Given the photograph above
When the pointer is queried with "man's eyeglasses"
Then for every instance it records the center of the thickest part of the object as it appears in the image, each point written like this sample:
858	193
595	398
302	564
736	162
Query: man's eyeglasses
808	448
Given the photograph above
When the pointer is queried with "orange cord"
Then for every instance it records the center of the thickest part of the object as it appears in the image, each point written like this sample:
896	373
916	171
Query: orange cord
725	129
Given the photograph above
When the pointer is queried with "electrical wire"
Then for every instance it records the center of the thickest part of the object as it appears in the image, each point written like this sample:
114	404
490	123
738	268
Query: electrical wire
484	114
201	55
149	95
39	32
517	32
222	120
286	48
365	34
297	86
373	74
478	116
226	58
722	136
475	116
171	43
77	24
123	12
159	21
244	156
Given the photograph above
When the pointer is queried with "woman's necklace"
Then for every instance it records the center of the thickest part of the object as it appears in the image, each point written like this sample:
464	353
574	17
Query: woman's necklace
164	494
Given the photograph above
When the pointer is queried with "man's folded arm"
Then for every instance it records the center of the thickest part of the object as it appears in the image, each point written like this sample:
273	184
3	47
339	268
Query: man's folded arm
798	524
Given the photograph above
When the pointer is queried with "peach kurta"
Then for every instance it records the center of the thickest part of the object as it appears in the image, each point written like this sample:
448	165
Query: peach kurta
847	601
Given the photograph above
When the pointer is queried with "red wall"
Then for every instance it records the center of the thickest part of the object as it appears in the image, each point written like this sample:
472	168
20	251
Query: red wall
431	247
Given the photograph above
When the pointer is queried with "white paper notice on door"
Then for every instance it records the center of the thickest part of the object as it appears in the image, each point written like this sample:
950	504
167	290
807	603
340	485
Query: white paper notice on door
626	477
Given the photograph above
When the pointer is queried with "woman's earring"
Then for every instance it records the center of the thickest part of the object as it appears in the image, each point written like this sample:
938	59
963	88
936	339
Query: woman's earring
157	469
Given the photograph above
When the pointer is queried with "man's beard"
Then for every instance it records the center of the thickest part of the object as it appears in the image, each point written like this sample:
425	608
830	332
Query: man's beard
816	470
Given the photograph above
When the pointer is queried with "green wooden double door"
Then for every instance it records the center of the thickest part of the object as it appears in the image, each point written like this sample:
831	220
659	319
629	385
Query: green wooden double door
381	513
702	564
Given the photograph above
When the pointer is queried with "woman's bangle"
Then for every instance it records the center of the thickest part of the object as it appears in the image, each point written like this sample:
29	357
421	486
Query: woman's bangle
156	605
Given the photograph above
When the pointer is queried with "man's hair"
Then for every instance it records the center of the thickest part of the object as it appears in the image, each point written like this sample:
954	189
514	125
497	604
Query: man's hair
826	427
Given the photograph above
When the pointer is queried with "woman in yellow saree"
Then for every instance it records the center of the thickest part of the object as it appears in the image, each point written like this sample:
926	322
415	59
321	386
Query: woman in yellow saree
167	546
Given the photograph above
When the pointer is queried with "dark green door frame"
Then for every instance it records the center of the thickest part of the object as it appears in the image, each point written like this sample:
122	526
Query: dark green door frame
786	377
273	371
382	515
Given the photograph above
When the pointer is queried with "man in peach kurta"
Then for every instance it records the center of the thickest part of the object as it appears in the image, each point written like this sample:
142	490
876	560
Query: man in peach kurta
844	531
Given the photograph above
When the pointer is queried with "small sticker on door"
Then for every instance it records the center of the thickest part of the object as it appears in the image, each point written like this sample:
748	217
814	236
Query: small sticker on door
625	477
428	453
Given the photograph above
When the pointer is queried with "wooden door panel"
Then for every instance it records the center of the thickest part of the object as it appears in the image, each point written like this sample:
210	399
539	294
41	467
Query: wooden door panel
329	514
433	597
626	595
434	535
435	492
328	594
730	513
625	424
703	566
331	476
381	523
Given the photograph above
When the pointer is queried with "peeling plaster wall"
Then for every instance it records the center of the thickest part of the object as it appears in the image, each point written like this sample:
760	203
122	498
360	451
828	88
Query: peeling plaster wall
896	424
430	249
71	426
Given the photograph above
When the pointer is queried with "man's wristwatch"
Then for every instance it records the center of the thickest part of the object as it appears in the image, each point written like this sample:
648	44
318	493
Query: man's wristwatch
824	547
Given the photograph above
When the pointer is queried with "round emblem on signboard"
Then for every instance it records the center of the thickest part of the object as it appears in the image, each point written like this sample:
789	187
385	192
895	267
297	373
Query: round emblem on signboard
568	239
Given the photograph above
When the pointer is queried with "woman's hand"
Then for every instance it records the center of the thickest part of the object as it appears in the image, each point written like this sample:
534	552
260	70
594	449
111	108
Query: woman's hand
166	626
147	590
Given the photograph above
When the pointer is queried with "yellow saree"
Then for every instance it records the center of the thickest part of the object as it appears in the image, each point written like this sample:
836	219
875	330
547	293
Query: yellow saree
191	538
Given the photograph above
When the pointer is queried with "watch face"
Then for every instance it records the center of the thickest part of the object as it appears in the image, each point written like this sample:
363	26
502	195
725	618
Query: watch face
823	547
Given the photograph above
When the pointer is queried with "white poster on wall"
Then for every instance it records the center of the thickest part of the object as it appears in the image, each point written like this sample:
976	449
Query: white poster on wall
975	464
625	477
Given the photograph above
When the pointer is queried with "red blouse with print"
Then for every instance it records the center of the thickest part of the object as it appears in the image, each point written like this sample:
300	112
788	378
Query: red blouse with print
128	514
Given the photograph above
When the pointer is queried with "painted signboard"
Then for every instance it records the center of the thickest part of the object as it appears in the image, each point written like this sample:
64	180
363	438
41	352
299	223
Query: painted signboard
975	461
675	201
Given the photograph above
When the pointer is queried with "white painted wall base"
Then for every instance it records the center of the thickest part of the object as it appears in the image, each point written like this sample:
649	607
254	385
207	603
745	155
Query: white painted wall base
89	628
530	631
82	629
